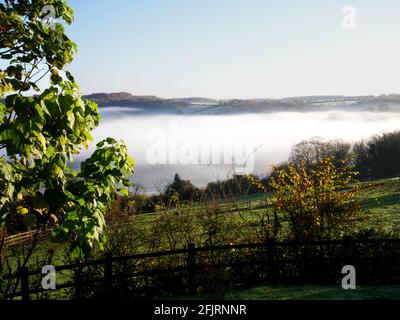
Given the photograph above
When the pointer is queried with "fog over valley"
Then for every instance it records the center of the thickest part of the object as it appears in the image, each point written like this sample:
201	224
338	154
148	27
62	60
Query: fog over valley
205	148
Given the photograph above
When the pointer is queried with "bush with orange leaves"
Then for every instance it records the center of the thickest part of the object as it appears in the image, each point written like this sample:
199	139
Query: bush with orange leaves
319	203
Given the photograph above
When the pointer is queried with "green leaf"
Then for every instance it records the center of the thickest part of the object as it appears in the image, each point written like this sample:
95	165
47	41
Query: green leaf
45	130
30	220
69	76
7	56
40	205
22	211
125	192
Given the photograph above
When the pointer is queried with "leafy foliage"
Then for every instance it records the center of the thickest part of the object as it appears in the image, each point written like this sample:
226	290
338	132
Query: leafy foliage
185	189
237	185
379	157
40	134
318	203
313	151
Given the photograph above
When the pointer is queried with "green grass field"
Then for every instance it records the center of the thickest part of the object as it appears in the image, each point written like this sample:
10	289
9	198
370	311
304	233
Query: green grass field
305	292
309	292
381	203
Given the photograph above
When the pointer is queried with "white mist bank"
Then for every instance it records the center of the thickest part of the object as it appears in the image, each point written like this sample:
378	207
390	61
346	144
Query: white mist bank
266	139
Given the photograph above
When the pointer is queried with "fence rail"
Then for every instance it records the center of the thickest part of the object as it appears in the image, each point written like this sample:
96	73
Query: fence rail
192	254
23	238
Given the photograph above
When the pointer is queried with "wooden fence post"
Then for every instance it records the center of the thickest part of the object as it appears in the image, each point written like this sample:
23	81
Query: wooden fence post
191	265
306	263
270	261
24	283
108	273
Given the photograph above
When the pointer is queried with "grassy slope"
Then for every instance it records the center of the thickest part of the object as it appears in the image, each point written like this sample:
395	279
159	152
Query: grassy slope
383	209
308	292
382	205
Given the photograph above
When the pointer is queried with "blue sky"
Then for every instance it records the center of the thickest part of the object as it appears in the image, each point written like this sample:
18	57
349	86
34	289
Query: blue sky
236	48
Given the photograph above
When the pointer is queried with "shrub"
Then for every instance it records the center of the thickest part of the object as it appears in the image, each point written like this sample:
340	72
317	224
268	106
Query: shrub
313	151
379	157
184	188
319	203
135	204
236	186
